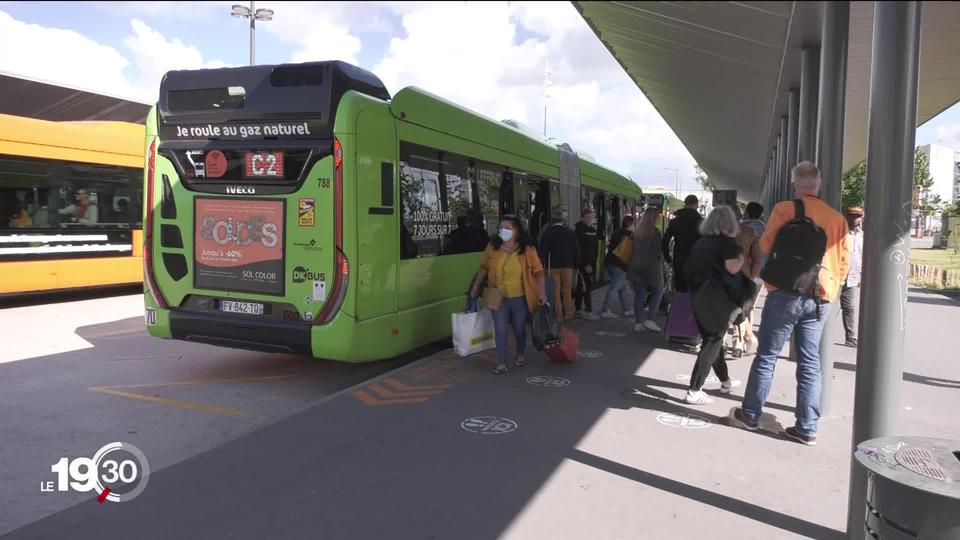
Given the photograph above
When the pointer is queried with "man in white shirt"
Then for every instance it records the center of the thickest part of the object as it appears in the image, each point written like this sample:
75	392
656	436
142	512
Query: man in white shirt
848	295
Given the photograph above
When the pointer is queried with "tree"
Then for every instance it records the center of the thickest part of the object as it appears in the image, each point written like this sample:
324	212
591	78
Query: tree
853	189
952	209
702	179
853	186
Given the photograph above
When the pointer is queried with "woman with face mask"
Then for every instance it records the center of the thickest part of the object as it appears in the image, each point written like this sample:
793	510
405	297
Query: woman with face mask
513	267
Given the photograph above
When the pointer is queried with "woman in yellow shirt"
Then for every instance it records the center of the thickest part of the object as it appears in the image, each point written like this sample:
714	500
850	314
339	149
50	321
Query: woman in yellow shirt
514	267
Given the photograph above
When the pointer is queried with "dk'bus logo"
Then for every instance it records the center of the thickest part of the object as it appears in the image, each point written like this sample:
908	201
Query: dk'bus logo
301	274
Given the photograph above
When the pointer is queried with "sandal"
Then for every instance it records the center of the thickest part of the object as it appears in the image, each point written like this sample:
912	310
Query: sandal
520	361
501	369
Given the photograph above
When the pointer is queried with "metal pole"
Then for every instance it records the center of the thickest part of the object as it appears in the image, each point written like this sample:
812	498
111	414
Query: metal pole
809	88
891	126
253	38
829	154
792	142
792	139
781	159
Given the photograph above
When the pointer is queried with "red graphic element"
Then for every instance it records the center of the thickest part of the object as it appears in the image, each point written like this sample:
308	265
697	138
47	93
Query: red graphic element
103	496
263	165
215	164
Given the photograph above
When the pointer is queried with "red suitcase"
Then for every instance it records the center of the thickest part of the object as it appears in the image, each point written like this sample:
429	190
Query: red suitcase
566	351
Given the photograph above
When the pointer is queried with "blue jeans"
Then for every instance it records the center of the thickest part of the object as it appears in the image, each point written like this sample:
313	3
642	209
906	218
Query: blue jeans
618	285
639	295
784	314
512	312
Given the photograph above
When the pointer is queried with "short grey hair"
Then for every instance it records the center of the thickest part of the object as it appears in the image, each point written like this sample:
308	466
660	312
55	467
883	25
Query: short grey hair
720	221
806	176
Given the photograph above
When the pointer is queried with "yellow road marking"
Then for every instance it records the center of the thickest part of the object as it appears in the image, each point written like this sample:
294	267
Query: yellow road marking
177	403
113	390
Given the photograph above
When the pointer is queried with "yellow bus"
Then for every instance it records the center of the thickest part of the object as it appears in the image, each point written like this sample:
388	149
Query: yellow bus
71	204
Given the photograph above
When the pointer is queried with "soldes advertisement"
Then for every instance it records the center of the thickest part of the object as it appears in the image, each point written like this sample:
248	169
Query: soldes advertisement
238	245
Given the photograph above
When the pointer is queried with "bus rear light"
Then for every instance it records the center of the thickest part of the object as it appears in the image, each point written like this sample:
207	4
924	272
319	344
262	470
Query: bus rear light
148	229
337	154
341	265
338	293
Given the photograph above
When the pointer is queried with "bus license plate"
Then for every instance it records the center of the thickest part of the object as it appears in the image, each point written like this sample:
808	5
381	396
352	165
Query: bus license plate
247	308
263	164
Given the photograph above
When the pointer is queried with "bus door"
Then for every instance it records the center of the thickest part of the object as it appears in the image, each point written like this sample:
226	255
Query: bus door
507	198
378	233
534	204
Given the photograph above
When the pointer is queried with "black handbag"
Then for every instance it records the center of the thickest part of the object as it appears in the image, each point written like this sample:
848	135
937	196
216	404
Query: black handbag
547	331
720	302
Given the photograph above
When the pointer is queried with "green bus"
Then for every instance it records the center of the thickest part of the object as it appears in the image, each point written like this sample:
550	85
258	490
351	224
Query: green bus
300	208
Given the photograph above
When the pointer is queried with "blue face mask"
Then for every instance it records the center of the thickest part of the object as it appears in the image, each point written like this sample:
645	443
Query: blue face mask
505	234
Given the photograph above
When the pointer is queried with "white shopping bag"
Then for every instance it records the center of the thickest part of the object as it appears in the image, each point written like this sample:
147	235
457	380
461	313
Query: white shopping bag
472	332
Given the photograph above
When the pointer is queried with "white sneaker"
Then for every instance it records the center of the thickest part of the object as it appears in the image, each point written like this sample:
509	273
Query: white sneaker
698	397
727	386
627	314
579	314
639	327
608	315
590	316
651	326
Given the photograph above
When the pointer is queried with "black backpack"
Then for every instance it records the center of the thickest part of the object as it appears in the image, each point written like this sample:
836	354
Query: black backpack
798	250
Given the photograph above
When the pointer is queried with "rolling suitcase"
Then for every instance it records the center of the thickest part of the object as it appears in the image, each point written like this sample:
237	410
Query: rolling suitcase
680	322
567	351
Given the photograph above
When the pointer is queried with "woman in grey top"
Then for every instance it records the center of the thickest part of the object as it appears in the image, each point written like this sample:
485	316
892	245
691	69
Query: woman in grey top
646	271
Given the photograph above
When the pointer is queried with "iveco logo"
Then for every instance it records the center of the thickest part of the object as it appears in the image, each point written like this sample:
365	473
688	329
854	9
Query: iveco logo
241	190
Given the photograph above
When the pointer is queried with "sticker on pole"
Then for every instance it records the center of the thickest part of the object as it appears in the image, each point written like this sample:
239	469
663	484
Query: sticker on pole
489	425
548	381
687	421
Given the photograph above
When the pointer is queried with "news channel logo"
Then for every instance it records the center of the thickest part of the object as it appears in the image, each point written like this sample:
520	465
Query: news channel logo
118	472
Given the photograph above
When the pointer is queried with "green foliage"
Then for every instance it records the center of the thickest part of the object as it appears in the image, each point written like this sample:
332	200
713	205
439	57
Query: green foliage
853	189
952	209
701	178
855	182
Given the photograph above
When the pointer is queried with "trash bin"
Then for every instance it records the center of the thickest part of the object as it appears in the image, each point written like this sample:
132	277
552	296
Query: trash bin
913	488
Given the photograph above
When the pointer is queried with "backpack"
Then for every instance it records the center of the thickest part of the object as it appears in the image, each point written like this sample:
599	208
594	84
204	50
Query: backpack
798	249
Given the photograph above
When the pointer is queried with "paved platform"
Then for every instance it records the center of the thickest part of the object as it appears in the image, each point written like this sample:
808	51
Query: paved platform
440	448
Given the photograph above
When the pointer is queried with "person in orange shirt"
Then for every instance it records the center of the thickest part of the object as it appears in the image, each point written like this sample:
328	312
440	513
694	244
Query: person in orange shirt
800	313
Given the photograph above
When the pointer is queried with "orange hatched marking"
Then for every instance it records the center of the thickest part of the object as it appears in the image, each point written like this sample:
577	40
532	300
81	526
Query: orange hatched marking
383	391
406	388
372	401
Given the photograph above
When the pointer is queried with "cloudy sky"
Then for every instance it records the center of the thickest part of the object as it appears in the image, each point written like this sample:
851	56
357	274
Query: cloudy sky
487	56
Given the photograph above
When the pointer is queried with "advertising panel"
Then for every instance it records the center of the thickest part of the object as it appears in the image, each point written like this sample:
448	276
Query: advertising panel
238	245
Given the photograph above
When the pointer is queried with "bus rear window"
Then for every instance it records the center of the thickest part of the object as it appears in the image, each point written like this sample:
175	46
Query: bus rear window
204	99
296	76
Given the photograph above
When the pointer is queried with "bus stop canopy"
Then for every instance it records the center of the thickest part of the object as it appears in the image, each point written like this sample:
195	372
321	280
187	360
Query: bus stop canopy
22	96
719	72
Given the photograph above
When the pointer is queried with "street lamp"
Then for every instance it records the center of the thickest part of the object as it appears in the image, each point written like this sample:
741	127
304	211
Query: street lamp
677	171
244	12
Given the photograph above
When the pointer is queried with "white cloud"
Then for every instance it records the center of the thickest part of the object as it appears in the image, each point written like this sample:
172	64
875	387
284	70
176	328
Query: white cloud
949	135
70	58
484	55
473	54
154	55
62	56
